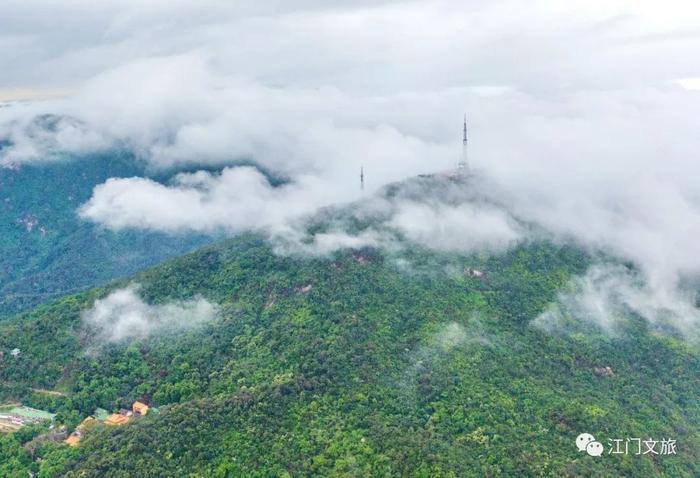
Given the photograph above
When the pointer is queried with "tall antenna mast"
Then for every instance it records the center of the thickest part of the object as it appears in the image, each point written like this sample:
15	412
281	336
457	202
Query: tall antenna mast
463	165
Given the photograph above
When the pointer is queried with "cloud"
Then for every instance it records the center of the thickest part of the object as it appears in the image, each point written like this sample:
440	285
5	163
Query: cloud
365	45
123	316
599	147
427	361
179	110
692	83
241	198
434	212
465	228
47	136
292	240
237	199
606	295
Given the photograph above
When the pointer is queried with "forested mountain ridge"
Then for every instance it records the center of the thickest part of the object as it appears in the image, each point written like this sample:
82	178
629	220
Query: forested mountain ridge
48	251
372	238
363	363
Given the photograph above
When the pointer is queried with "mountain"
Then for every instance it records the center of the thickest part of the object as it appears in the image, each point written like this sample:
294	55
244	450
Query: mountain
369	361
48	251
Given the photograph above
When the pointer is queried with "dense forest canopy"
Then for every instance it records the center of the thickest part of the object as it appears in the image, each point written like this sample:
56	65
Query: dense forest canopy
364	363
375	238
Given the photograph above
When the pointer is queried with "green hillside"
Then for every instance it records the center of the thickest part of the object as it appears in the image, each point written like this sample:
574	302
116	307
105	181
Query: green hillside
367	363
48	251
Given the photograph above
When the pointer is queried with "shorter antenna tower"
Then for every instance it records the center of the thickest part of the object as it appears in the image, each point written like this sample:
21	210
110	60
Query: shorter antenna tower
463	165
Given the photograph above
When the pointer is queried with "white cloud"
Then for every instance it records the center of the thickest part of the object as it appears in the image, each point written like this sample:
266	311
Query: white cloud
572	106
607	294
466	227
327	242
434	212
367	45
691	84
124	316
443	341
235	200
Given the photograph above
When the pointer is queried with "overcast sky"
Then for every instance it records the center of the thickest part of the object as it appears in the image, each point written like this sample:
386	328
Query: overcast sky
586	113
372	47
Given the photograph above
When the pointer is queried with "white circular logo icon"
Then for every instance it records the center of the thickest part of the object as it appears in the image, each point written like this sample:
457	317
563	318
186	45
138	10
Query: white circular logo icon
583	440
594	448
586	442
